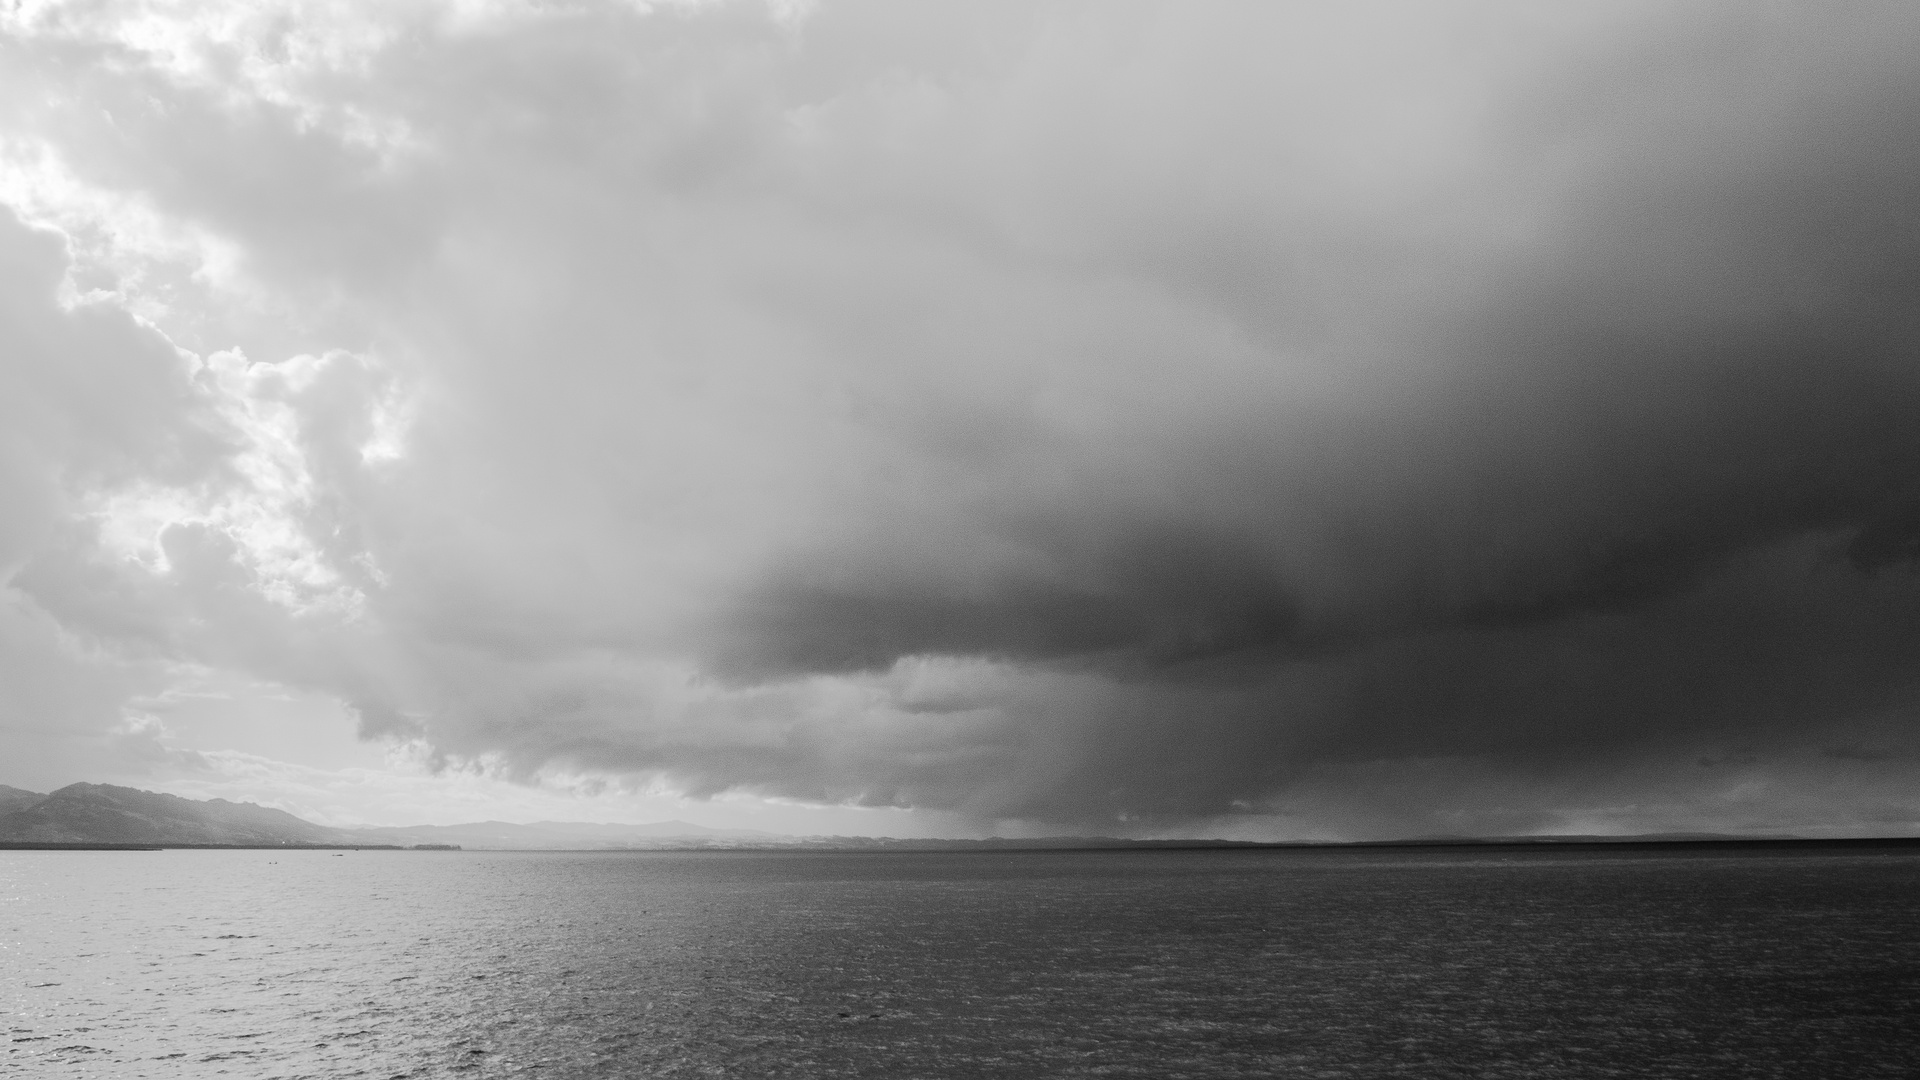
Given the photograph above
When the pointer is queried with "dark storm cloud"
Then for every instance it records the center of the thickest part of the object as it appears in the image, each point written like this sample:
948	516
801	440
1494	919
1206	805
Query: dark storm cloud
1613	500
1708	348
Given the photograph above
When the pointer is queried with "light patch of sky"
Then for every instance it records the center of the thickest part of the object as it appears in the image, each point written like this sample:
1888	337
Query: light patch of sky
218	734
122	249
206	710
131	520
391	416
405	788
124	252
493	16
261	515
248	52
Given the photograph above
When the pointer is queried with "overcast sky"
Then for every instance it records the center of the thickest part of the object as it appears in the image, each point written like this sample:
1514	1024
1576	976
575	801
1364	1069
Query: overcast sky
1247	419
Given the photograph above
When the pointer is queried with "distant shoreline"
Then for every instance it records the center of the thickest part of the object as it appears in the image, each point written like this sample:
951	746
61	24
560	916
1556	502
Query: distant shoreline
1500	844
45	845
1068	844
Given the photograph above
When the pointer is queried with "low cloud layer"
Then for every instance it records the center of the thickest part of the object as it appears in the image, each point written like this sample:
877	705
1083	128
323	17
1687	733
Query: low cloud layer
1270	419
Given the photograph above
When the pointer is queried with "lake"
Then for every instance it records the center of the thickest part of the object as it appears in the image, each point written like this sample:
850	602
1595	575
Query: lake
1330	963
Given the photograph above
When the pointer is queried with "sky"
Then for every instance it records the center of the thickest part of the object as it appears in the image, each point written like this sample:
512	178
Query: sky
1256	420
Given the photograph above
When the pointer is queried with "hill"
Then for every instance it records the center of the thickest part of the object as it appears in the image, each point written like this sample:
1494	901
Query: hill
13	798
106	814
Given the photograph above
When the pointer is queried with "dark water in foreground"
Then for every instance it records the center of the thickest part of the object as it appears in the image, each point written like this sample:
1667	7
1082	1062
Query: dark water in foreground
1145	964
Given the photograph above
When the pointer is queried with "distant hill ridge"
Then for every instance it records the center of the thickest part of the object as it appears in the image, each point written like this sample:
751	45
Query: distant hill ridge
108	814
12	798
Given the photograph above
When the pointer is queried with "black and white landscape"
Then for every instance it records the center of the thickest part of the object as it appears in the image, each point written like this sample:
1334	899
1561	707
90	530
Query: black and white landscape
972	425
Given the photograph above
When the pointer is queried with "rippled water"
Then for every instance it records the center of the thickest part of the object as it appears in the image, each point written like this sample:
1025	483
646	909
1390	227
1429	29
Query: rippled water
1148	964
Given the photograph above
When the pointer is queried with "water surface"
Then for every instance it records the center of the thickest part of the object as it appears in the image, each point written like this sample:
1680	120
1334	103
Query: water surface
1443	963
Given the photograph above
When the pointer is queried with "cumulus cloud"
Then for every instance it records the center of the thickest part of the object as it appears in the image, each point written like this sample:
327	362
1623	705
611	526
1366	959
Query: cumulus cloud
1286	418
